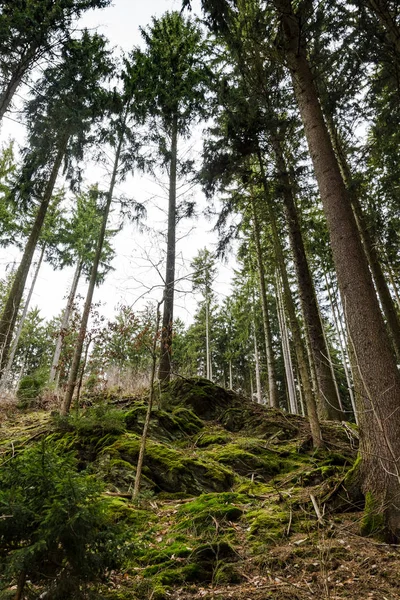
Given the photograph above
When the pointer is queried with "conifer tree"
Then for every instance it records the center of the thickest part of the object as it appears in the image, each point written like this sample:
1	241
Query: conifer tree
69	99
176	78
31	30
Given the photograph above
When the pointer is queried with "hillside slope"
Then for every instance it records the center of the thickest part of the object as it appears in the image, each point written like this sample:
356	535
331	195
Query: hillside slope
235	502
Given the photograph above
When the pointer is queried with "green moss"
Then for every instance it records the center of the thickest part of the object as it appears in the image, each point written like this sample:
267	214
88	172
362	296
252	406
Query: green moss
268	522
172	470
373	521
227	573
254	488
212	439
207	510
245	462
123	510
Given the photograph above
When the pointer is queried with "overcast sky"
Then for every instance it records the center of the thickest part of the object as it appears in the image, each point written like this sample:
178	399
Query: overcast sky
135	279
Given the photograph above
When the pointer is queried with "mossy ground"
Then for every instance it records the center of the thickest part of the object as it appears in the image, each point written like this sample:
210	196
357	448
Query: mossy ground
225	510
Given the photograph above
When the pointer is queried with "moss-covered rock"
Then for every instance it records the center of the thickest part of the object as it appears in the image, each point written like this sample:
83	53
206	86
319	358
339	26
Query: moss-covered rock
172	470
262	462
209	511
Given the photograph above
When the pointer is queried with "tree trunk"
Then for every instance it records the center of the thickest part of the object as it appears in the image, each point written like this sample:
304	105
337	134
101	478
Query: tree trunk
14	346
54	371
164	370
82	372
15	80
328	405
230	375
73	374
257	363
386	300
380	442
272	387
139	466
208	357
287	359
10	312
305	378
19	594
342	343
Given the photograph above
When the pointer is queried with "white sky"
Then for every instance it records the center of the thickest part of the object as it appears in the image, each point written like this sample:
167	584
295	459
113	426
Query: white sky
134	277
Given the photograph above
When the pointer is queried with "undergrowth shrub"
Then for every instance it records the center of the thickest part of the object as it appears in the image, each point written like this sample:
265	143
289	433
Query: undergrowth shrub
30	388
101	419
56	529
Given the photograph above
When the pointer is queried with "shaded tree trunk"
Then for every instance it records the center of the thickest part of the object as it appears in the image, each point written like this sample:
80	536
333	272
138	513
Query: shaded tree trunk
73	374
380	443
272	387
10	312
54	371
139	465
15	80
287	358
14	346
328	405
305	377
164	370
386	300
257	363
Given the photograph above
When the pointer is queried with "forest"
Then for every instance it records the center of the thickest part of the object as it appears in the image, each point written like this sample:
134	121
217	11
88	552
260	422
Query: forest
253	451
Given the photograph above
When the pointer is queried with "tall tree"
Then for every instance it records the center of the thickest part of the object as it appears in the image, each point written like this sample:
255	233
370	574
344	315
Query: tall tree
176	78
69	99
121	136
369	338
31	30
204	273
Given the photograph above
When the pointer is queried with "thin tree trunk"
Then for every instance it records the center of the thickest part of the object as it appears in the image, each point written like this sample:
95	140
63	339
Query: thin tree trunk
230	375
14	345
305	378
342	344
164	370
377	369
19	594
257	362
82	372
10	312
54	371
73	374
15	81
272	387
139	466
286	348
208	358
328	402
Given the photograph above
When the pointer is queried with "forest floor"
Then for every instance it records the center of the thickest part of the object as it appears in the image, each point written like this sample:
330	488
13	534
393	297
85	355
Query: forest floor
235	502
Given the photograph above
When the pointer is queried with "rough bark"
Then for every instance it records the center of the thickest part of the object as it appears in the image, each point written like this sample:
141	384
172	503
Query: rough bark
376	365
54	371
272	387
164	371
386	300
73	374
10	312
